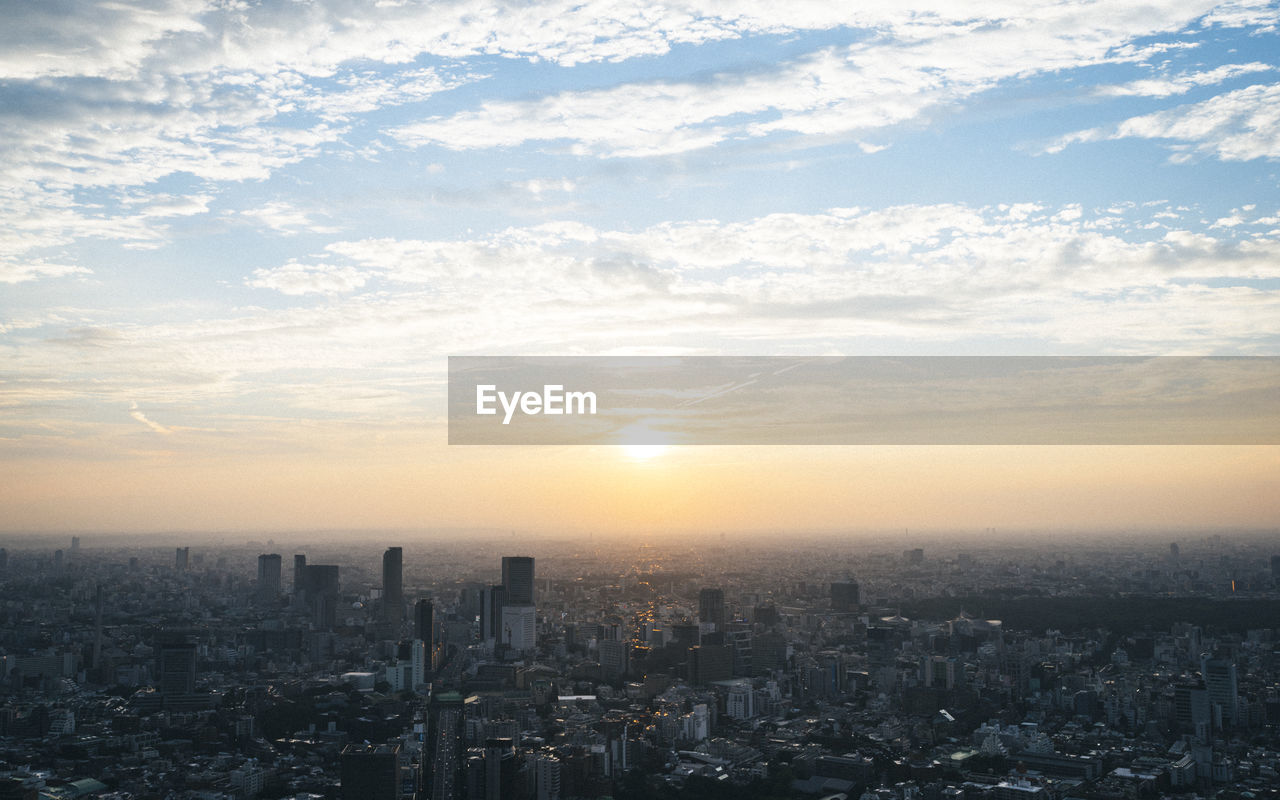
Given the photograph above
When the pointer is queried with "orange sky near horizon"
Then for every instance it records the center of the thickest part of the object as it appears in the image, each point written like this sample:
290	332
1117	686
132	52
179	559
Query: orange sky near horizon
604	489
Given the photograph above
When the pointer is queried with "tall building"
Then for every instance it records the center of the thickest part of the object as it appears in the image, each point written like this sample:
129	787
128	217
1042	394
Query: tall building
1220	680
268	577
517	576
323	593
845	596
181	558
424	621
393	585
495	597
371	772
177	668
519	627
299	575
500	769
709	663
711	607
546	776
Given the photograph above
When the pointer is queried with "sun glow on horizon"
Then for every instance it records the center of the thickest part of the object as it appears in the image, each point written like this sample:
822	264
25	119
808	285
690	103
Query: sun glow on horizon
643	452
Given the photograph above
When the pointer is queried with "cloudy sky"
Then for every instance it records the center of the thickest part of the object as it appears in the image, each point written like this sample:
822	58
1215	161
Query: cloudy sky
241	238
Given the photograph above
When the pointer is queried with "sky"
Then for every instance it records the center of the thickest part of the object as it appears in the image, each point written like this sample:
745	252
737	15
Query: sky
240	240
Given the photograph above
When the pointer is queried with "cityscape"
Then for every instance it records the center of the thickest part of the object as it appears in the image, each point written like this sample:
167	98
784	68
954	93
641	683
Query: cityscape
895	666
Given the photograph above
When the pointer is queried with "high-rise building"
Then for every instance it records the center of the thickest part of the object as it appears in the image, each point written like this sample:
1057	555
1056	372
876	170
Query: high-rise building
181	558
299	575
177	668
517	576
1275	569
495	597
845	596
1220	680
371	772
393	585
711	607
499	769
709	663
268	577
4	558
323	593
424	621
546	776
519	627
75	545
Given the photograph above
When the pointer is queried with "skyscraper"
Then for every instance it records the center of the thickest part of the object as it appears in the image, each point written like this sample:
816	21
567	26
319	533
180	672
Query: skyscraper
299	575
180	558
424	620
845	596
268	577
177	668
1221	681
711	607
393	586
494	599
517	576
371	772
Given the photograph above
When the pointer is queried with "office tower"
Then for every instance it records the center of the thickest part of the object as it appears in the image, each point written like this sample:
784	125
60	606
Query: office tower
708	663
4	558
97	627
268	577
711	607
323	593
614	657
1173	551
914	556
299	575
75	545
371	772
424	621
499	769
1220	680
495	597
181	558
517	576
393	586
685	634
177	668
57	559
1191	709
768	653
845	596
942	672
519	627
546	776
1275	567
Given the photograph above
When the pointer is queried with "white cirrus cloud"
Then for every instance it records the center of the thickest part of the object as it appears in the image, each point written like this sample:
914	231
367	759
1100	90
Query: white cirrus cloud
884	81
1239	125
296	279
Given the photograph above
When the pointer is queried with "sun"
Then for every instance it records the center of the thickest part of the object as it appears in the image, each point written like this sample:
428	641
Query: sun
643	452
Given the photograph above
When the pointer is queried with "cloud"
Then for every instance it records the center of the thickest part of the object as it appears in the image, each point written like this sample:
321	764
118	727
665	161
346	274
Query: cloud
15	271
140	417
284	218
874	84
296	279
1184	82
1240	125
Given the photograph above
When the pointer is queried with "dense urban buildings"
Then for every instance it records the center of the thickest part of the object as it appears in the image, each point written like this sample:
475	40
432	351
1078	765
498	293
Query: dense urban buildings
1098	668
